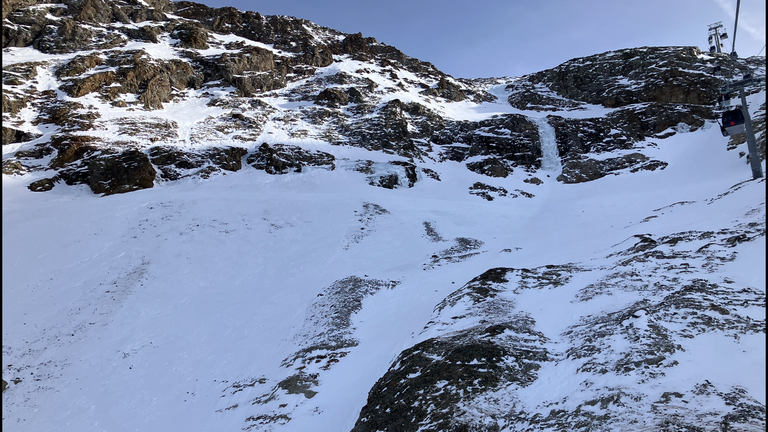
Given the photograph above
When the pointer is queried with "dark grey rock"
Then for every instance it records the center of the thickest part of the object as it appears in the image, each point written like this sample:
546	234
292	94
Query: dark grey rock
668	75
227	158
427	384
12	136
13	167
191	36
125	172
172	162
446	90
388	175
332	97
282	159
72	148
579	171
492	167
41	185
511	139
487	191
396	128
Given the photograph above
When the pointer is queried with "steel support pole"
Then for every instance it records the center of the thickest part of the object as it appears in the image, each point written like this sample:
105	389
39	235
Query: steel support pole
717	41
735	27
754	156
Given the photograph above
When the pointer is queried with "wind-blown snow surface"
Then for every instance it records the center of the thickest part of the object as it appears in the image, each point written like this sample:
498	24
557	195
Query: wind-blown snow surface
173	308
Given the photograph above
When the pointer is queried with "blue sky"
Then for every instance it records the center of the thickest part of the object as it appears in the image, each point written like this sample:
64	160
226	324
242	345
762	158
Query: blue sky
484	38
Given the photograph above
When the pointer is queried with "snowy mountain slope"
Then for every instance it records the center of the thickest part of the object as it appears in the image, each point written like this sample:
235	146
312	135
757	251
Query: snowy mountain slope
162	308
359	242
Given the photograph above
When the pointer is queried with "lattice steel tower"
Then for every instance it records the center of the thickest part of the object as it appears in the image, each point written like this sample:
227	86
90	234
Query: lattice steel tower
716	35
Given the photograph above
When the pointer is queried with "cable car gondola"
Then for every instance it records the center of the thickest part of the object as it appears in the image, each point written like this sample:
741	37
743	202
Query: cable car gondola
733	122
724	100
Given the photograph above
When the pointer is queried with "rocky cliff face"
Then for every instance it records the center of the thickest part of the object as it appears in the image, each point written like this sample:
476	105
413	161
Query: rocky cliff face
106	67
118	96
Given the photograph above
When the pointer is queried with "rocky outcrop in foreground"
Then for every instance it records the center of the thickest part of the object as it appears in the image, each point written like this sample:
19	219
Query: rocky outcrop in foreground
479	351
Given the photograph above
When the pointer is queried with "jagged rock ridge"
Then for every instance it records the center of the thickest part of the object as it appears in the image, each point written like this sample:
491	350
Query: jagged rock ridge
260	58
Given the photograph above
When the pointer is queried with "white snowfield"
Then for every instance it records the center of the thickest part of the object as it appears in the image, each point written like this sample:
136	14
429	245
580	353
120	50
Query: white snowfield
174	308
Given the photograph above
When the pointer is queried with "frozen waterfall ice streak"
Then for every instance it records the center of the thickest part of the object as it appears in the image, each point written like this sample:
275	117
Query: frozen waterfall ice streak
550	159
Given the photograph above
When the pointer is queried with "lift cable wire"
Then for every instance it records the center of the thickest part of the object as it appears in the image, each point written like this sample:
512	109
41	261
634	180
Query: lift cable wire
735	27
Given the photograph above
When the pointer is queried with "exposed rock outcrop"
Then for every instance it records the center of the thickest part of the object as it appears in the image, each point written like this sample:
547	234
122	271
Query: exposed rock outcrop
12	136
175	164
41	185
129	72
579	171
282	159
654	90
479	351
428	384
447	90
388	175
676	75
125	172
397	128
13	167
506	141
332	97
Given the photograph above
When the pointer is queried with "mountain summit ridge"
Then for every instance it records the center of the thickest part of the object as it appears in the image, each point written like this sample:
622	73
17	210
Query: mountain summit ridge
219	220
127	73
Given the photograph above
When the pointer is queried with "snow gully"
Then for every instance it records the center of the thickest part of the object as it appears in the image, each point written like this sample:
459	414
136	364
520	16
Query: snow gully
550	159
